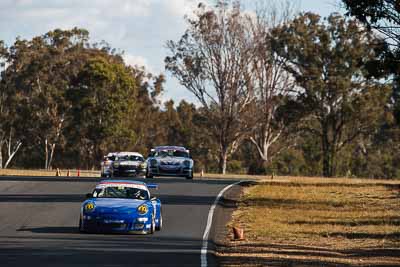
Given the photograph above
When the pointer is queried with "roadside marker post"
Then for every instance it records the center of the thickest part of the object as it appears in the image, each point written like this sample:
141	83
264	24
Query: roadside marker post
238	233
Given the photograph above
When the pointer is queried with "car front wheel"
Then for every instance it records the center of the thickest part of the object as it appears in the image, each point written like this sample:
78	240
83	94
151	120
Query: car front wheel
158	228
153	225
81	229
148	174
190	175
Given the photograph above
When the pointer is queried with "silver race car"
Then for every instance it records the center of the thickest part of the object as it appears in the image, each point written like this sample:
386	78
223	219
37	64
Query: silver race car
128	164
169	161
106	164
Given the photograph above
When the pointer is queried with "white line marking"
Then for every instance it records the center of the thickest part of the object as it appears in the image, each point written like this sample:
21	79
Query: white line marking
203	255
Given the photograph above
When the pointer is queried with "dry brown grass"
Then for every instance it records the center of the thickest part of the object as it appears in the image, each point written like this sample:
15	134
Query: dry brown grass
317	222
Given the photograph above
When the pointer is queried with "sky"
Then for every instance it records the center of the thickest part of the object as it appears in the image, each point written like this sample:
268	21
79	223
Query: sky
139	28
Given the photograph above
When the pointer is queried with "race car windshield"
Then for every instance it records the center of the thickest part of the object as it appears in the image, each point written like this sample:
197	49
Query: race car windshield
172	153
109	158
121	192
131	158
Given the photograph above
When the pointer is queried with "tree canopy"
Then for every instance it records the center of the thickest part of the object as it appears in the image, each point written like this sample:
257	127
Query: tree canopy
290	95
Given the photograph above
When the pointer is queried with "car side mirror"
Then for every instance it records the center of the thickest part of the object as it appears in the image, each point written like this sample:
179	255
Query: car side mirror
89	195
153	198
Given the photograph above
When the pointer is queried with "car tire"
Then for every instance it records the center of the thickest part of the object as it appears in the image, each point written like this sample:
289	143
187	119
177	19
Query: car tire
81	230
159	227
153	225
148	175
190	176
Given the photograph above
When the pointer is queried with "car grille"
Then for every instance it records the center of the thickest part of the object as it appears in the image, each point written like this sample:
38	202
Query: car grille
166	163
114	225
127	167
102	226
163	170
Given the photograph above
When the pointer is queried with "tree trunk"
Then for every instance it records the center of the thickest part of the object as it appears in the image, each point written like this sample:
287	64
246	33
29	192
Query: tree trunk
222	161
328	155
12	152
326	164
1	153
333	160
52	148
46	156
265	165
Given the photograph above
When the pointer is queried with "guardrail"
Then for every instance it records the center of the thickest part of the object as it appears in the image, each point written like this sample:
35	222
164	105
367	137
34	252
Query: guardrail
96	173
54	172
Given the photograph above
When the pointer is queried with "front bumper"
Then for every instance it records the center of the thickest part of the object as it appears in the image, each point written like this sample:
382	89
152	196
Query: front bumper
128	171
166	171
105	171
104	225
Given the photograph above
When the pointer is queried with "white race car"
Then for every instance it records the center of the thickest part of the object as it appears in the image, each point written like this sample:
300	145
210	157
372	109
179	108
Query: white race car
106	164
170	161
128	164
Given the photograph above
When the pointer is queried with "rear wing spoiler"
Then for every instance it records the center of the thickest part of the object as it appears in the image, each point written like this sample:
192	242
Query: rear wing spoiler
152	186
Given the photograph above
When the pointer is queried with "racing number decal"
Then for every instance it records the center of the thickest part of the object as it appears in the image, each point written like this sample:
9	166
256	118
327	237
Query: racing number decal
143	209
89	206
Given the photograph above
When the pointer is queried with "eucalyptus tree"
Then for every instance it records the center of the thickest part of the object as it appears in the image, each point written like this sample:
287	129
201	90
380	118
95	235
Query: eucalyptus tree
40	71
383	16
103	98
272	83
212	60
327	59
10	143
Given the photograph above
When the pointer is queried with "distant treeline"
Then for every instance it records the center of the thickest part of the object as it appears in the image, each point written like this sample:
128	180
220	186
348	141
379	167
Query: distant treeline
278	92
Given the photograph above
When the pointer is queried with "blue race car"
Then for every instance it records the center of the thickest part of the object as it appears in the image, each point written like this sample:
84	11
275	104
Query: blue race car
122	206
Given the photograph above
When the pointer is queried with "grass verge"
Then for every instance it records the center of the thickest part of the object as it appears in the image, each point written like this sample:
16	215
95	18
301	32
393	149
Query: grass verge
316	222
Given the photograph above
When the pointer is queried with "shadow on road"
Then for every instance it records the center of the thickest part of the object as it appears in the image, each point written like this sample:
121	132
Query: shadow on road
51	230
42	198
99	250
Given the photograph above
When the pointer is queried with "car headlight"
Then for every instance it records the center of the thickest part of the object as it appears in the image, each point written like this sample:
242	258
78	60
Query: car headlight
143	165
153	162
186	163
89	207
143	209
116	164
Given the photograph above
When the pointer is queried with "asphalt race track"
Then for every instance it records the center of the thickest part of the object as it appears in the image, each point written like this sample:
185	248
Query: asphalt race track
39	218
